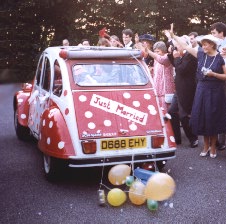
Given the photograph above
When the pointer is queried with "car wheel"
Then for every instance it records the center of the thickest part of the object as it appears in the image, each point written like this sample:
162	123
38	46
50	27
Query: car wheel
23	133
53	167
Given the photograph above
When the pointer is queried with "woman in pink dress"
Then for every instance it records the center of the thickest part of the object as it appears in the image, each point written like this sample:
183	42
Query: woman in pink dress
163	75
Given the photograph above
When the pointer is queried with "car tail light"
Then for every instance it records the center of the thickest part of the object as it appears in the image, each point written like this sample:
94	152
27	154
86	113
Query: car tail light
157	141
89	147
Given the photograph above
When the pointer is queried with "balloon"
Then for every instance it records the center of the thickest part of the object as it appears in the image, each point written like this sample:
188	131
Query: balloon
152	205
136	193
129	180
160	187
117	174
116	197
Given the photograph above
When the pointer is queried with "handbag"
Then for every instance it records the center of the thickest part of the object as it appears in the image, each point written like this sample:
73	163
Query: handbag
168	96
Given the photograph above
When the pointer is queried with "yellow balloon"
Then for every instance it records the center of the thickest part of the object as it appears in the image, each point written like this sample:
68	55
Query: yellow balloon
117	174
160	187
116	197
136	193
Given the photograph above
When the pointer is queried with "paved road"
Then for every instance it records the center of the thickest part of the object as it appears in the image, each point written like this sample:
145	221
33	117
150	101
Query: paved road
27	198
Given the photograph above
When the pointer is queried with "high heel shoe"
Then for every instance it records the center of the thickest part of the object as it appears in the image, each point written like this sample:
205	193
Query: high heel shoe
213	155
204	153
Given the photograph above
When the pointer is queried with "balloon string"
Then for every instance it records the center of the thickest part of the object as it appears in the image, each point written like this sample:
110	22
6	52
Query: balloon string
102	175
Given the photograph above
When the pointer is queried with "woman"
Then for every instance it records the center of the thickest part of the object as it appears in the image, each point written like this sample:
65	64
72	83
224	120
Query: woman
208	117
163	72
115	42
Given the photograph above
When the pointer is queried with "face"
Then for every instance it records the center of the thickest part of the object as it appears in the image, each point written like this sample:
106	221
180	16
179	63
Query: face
113	42
126	38
85	43
147	44
193	40
159	51
215	33
207	46
65	43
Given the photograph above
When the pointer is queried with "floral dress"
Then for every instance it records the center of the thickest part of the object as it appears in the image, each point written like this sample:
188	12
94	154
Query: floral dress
163	79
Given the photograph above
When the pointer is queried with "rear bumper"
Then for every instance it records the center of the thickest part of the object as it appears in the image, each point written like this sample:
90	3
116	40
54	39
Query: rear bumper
91	162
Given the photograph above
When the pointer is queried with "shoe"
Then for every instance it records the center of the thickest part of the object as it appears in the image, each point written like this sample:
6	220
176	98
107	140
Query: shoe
213	155
194	143
204	153
221	147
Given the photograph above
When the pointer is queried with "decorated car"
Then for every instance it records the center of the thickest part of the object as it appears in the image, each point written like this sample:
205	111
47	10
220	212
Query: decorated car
93	106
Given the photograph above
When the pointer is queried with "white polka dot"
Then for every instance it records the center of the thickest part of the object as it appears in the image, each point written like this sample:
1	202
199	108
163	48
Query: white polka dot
107	123
84	133
23	116
147	96
88	114
91	125
44	122
50	124
20	100
48	140
162	108
61	145
136	103
133	127
172	139
126	95
82	98
152	110
98	131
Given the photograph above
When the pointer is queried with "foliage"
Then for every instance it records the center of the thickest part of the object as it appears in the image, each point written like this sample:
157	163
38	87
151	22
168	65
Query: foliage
29	26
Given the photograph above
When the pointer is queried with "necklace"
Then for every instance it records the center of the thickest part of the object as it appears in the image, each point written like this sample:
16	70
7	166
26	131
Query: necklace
211	62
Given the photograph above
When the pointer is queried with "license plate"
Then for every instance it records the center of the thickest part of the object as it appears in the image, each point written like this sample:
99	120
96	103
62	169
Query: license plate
123	143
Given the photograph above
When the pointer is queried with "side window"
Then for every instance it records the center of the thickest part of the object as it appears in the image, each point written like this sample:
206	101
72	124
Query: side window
47	75
57	80
39	71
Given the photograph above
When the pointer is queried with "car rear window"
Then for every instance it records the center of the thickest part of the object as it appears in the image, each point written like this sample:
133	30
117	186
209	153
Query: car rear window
108	74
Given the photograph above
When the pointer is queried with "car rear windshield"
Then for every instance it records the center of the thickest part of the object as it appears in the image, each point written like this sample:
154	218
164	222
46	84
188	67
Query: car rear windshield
109	74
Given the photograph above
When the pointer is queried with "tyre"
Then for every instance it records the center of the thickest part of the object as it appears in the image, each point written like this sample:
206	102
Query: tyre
22	132
53	167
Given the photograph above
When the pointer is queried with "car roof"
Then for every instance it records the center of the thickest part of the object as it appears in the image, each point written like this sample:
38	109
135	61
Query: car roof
77	52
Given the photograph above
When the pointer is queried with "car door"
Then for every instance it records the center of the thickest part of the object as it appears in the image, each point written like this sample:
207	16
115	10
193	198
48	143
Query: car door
39	100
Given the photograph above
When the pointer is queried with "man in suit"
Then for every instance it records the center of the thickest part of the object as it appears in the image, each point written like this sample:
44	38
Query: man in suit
127	35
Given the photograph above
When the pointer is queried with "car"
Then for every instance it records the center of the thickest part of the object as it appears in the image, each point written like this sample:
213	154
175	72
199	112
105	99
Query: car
93	106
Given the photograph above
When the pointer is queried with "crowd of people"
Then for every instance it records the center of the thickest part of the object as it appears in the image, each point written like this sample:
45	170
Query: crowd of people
189	76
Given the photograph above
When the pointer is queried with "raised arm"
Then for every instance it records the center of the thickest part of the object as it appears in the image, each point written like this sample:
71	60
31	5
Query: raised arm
183	43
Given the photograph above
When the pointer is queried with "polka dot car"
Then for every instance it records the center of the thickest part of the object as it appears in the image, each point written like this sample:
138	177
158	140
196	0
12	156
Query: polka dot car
93	107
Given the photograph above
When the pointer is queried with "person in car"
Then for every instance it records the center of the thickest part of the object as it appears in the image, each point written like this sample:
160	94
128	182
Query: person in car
81	75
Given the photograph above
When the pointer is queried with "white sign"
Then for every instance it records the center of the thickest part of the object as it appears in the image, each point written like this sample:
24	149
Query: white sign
118	109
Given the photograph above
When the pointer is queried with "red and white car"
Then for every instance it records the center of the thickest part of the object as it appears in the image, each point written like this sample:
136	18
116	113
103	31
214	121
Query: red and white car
93	107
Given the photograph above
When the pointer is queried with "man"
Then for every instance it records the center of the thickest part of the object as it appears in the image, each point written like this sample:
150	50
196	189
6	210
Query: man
85	42
65	42
193	41
185	82
219	30
127	35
